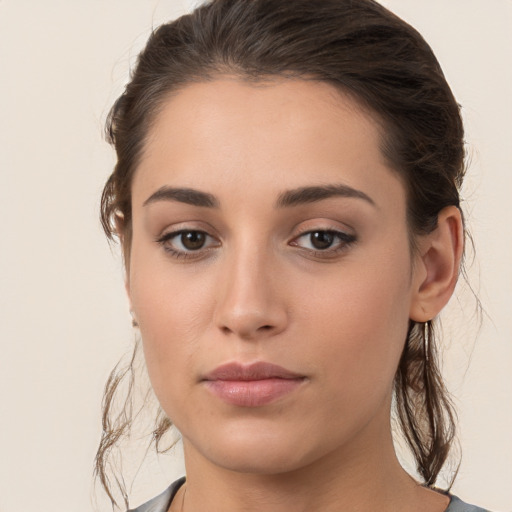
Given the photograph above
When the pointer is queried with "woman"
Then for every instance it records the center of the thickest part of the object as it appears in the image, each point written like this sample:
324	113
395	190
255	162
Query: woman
286	197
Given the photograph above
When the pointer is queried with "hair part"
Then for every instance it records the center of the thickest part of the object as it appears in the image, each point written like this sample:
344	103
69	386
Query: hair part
364	51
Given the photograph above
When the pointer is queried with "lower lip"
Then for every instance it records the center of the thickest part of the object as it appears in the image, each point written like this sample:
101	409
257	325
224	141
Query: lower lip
252	393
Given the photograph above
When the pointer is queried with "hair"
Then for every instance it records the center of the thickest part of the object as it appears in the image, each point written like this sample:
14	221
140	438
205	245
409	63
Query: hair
363	50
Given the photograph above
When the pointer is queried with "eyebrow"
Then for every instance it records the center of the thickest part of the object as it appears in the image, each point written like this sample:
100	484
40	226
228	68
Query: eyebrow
306	195
295	197
183	195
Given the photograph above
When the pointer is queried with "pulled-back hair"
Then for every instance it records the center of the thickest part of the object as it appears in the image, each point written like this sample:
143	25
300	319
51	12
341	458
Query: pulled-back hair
364	51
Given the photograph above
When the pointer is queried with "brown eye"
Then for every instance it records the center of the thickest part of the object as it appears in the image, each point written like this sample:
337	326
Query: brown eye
193	240
187	243
321	239
325	242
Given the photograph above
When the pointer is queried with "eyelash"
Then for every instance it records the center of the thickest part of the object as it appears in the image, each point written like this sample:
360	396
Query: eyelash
181	254
344	241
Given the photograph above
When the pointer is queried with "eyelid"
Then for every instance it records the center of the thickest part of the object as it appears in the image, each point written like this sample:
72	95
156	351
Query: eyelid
320	224
346	237
345	240
167	236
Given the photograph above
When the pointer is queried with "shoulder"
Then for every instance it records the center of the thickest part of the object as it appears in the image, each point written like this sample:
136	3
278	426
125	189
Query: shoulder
457	505
161	502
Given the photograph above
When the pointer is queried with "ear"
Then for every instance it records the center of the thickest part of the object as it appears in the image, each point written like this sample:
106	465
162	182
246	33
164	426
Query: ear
127	289
437	265
135	322
120	225
120	231
124	240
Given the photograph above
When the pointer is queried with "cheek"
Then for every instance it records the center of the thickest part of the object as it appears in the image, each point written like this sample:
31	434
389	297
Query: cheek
166	297
360	320
172	311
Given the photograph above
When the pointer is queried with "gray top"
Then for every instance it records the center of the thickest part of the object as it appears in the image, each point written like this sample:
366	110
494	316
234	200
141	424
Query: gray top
163	501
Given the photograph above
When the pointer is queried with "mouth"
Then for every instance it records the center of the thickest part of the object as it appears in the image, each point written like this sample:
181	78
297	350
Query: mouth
252	385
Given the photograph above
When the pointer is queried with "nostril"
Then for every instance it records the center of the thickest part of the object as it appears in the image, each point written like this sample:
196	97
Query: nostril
263	328
249	321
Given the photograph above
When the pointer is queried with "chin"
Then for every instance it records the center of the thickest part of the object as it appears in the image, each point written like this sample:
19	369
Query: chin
259	450
259	460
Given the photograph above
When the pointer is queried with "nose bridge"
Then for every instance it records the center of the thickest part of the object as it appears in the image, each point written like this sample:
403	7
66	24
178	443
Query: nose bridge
250	304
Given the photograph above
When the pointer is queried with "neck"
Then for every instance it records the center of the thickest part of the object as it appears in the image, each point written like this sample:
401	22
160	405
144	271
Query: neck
363	478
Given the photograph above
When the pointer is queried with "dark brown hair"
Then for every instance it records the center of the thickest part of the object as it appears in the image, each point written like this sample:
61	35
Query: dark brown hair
363	50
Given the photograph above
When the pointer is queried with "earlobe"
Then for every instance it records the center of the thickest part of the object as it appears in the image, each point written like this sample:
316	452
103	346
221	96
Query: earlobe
128	295
120	225
135	322
127	289
437	265
120	231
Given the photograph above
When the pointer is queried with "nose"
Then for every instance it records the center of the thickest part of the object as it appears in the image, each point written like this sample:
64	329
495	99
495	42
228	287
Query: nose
251	301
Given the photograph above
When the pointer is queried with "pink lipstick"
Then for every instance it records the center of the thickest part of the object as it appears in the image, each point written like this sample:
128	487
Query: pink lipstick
251	385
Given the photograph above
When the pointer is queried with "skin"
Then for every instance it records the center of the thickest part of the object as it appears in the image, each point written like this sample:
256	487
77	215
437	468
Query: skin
259	291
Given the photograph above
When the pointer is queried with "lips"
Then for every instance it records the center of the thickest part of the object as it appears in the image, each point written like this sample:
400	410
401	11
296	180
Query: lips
252	385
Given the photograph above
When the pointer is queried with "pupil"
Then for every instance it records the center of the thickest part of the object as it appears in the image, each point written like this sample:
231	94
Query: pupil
322	239
193	240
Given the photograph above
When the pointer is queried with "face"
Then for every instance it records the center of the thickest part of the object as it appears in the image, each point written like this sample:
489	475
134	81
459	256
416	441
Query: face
270	273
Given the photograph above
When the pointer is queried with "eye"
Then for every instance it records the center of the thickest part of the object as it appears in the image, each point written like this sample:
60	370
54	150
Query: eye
324	241
192	240
186	242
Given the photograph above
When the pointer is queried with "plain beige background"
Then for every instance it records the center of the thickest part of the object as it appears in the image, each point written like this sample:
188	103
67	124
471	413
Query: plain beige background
63	316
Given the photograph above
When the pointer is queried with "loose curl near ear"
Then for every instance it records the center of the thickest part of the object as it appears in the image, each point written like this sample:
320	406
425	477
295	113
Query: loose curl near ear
423	407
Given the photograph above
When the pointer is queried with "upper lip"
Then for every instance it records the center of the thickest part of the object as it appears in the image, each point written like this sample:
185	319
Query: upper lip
246	372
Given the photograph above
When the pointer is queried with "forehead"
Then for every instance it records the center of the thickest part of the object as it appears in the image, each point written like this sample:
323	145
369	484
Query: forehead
233	136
